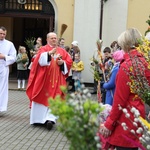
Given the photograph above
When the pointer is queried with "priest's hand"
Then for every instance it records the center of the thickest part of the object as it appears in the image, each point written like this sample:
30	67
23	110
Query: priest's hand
52	52
60	62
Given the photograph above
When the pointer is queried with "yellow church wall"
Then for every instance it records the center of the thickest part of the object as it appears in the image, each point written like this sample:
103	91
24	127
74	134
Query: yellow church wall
65	16
138	13
7	23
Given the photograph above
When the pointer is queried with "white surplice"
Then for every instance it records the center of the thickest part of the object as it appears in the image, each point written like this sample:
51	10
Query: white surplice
40	113
6	48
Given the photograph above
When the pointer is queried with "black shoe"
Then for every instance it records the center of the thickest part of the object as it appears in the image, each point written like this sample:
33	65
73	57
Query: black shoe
37	124
49	125
72	90
94	92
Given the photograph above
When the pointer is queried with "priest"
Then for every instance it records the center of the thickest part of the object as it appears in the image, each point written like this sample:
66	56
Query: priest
49	71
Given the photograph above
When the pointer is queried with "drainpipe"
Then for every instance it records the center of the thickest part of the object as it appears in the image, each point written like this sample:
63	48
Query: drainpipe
101	19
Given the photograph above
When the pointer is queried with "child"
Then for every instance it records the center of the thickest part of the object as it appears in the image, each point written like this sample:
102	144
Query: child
36	48
103	116
22	62
77	68
69	78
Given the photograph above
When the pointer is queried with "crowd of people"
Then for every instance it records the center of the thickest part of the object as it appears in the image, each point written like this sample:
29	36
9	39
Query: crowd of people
123	96
54	65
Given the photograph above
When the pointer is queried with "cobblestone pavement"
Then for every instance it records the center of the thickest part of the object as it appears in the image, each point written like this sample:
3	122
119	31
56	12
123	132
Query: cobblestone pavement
17	134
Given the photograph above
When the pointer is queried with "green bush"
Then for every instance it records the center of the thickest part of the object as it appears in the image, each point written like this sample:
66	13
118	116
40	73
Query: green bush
78	119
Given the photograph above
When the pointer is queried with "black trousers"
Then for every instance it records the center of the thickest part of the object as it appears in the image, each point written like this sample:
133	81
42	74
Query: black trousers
125	148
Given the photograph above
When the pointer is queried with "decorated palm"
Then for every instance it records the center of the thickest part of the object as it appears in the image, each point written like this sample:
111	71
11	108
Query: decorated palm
99	47
24	58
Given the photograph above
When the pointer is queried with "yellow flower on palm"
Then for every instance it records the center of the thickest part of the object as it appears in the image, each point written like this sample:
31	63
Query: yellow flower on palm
145	123
131	68
144	49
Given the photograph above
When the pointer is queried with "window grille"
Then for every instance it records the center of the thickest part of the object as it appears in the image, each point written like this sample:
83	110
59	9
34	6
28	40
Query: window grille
31	5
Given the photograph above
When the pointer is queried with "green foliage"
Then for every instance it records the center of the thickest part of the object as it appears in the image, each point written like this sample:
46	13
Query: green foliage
95	61
78	119
148	21
30	43
95	73
146	96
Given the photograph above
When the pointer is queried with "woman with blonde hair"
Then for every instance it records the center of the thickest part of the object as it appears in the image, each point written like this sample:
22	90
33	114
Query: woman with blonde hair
124	97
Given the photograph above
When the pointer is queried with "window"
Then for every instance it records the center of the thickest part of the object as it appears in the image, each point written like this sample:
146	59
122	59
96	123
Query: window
29	5
34	6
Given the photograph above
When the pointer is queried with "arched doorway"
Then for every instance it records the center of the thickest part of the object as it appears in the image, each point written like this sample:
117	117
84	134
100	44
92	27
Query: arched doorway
30	18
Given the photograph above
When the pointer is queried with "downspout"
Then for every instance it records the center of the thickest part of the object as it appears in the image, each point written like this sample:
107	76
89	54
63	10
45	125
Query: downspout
101	19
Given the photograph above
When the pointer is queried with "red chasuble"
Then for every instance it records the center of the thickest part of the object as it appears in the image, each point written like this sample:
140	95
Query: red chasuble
45	81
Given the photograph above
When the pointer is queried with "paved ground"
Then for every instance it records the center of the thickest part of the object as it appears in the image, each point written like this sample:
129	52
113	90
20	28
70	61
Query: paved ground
17	134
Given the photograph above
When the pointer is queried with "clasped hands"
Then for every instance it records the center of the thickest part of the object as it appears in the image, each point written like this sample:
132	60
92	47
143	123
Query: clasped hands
59	59
104	131
24	65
